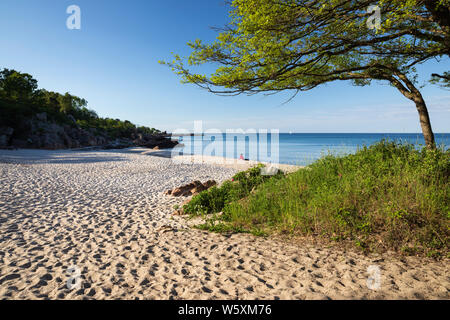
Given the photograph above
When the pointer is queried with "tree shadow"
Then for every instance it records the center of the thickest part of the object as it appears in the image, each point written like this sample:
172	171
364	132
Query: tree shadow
24	156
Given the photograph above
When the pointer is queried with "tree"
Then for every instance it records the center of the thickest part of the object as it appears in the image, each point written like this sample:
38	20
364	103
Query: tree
276	45
17	86
21	101
51	100
443	80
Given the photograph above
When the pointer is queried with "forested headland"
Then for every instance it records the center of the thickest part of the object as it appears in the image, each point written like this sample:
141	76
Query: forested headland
37	118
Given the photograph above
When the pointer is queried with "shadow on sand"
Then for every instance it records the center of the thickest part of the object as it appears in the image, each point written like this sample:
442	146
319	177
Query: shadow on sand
25	156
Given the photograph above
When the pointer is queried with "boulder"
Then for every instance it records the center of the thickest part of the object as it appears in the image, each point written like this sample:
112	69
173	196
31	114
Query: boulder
6	131
19	143
184	191
198	189
210	183
5	136
42	116
153	141
4	141
68	142
52	141
190	189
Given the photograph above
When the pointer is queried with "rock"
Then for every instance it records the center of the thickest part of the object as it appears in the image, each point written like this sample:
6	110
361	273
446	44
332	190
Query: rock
5	136
52	141
42	116
4	141
198	189
6	131
19	143
210	183
184	191
67	140
40	132
155	141
190	189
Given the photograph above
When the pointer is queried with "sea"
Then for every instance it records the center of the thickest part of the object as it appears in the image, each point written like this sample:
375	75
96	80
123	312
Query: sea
293	148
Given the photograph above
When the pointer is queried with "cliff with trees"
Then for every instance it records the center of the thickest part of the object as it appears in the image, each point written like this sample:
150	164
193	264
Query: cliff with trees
37	118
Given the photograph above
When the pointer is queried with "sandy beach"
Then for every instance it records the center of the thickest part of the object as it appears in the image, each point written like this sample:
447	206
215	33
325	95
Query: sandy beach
105	214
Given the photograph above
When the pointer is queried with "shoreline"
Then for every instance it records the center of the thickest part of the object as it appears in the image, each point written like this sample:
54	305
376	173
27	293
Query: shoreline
220	161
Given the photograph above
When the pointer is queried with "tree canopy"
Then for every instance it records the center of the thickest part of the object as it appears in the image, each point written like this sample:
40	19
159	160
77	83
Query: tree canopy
20	99
277	45
16	85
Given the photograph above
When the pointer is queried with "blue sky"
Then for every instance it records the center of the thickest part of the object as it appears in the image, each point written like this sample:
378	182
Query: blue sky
113	63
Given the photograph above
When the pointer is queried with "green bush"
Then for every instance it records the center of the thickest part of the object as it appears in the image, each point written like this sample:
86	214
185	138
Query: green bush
20	100
215	199
387	196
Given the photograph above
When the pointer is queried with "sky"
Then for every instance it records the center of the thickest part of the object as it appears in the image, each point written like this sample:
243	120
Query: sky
112	62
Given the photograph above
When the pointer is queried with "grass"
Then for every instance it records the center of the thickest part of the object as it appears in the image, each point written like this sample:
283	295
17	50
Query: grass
216	198
389	196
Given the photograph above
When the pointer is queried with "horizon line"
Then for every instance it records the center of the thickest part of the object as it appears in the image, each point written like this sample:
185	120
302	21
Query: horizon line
222	132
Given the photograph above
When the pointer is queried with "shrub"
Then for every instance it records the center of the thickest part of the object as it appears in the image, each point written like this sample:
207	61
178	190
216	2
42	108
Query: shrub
387	196
215	199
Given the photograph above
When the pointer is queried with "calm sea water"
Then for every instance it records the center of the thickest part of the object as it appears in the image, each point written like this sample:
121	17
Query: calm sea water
295	148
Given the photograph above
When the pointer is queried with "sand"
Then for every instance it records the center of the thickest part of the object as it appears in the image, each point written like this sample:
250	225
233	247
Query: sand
104	215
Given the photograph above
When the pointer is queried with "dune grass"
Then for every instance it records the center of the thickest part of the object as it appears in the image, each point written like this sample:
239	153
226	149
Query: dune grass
388	196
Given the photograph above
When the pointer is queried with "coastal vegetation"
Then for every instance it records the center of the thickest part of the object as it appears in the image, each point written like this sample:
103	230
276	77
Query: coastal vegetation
297	45
21	101
389	196
215	199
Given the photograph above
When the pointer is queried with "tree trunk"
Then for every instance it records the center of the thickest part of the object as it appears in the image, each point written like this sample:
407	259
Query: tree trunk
413	94
424	121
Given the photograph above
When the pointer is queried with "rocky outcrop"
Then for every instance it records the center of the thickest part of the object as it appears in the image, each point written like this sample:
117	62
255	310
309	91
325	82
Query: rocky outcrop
190	189
5	136
39	133
41	116
154	141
